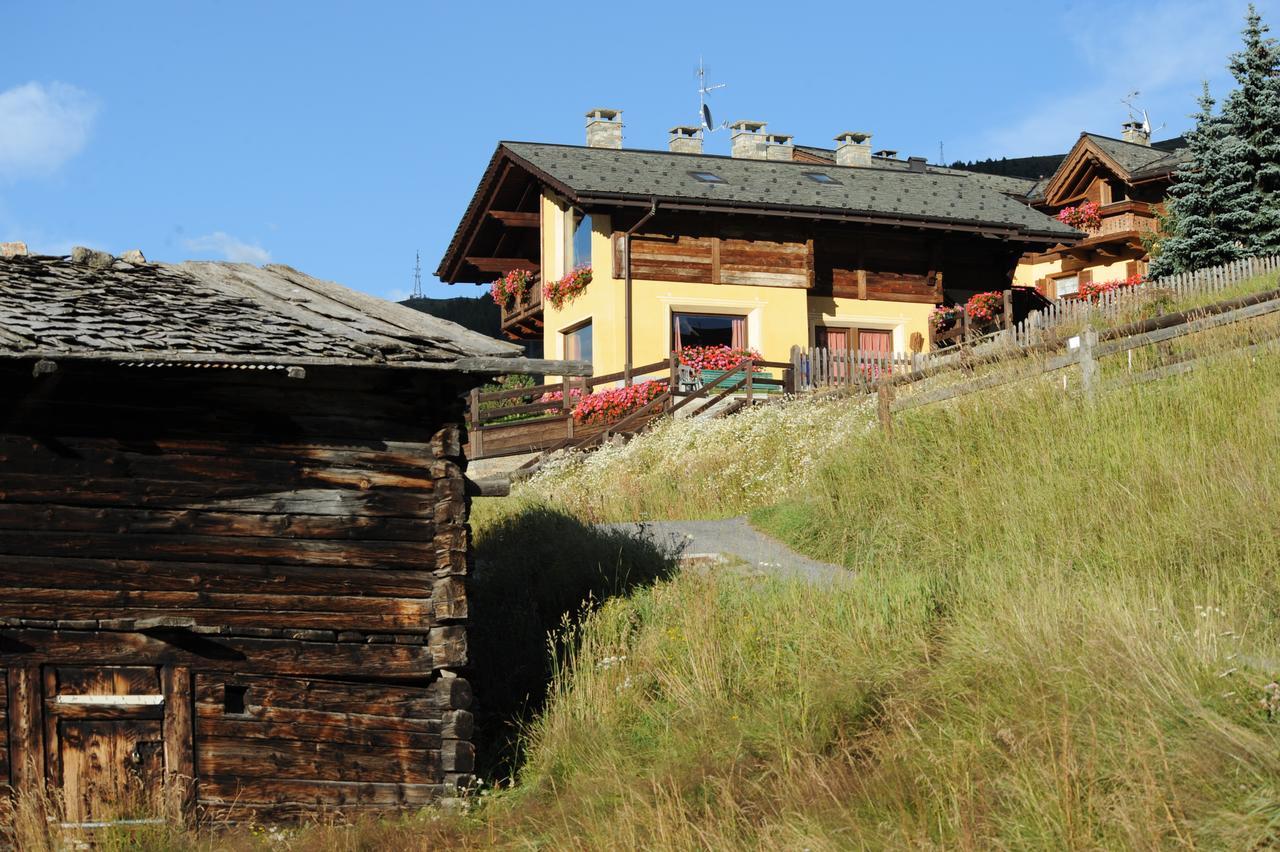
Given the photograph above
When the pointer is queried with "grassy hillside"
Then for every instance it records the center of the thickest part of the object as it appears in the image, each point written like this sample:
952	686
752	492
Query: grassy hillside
1060	633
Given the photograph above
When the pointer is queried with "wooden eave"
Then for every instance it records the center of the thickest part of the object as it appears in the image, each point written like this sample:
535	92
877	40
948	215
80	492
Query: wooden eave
1083	160
502	166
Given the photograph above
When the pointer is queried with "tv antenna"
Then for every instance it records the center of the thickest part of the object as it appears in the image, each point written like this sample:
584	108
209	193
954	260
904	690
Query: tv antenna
704	111
417	275
1128	101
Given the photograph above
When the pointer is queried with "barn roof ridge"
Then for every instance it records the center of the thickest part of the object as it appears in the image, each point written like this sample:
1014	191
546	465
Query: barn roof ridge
213	313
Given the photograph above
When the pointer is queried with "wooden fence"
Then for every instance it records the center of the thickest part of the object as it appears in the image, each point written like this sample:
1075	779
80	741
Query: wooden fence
855	369
1113	305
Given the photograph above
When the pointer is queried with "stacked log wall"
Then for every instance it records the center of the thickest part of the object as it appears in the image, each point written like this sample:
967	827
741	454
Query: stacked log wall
305	539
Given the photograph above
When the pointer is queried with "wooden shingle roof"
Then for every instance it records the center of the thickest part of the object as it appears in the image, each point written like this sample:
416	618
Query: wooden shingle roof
221	314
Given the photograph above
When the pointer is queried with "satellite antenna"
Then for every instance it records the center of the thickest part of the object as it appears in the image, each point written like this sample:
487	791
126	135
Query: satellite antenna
417	275
704	111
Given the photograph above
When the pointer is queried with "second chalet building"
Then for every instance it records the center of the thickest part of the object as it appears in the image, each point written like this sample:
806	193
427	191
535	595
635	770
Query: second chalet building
756	250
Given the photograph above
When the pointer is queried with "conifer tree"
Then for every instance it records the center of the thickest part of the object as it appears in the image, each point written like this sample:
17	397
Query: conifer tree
1252	115
1205	200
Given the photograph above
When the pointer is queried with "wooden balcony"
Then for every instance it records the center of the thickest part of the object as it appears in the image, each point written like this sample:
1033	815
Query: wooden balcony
1126	219
523	320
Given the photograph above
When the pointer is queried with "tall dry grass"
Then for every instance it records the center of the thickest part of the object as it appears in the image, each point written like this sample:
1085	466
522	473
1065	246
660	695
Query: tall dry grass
1060	634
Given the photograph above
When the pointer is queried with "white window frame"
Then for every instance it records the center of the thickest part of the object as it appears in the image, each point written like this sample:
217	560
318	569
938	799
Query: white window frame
1058	292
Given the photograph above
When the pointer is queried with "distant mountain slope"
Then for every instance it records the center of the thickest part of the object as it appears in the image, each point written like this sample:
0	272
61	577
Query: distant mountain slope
477	313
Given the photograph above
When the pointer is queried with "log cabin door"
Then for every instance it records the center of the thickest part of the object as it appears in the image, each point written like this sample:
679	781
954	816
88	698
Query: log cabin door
105	749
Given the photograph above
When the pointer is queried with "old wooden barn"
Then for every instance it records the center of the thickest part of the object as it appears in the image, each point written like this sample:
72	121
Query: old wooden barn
233	539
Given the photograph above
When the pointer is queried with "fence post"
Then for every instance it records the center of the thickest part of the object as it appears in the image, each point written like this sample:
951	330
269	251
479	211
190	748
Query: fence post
751	367
884	396
673	375
1008	309
1088	365
796	379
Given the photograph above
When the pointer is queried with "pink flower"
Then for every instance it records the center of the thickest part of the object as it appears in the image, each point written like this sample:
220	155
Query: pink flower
716	357
571	286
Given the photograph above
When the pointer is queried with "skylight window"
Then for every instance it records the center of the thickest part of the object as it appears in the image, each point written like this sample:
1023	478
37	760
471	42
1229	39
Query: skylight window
707	177
821	177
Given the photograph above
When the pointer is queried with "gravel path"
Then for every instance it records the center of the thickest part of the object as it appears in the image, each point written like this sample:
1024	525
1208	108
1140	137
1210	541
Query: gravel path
734	537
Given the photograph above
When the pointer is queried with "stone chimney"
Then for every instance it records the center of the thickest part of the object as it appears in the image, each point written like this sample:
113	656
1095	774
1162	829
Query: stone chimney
853	148
14	249
1136	132
685	139
779	146
604	128
917	164
748	140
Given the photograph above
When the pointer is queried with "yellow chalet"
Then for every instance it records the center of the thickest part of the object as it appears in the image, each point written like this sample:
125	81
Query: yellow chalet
1123	183
756	250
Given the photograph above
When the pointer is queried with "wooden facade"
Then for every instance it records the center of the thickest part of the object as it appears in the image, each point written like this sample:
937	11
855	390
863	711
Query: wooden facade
280	564
232	586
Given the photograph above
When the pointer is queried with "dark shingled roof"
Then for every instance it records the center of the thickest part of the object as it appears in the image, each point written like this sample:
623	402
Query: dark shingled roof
602	173
216	314
1130	156
1007	184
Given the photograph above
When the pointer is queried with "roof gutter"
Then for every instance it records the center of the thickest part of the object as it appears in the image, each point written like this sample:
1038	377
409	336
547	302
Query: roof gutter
626	264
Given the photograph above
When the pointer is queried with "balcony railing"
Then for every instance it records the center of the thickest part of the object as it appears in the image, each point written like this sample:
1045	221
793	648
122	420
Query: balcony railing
524	317
1125	217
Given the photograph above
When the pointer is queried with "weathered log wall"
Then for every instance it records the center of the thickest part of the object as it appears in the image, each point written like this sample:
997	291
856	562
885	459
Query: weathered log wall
303	539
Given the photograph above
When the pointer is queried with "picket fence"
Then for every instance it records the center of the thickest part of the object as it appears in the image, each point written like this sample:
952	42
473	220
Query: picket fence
820	367
1069	313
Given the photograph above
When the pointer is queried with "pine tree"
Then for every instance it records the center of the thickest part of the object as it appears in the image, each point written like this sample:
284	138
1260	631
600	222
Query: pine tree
1252	114
1206	199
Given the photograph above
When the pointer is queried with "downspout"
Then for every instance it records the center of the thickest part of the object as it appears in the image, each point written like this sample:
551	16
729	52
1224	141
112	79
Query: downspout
626	304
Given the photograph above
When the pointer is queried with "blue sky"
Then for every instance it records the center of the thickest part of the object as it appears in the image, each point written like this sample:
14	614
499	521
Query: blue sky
340	138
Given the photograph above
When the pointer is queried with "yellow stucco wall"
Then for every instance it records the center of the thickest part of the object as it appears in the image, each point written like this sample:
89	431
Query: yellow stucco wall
1029	274
777	317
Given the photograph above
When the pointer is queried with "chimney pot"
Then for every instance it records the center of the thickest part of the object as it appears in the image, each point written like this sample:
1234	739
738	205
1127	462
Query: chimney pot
604	128
748	140
886	154
1136	132
685	139
853	148
779	146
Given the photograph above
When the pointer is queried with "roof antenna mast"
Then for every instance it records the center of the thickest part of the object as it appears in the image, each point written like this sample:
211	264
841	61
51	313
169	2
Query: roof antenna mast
704	111
1128	101
417	275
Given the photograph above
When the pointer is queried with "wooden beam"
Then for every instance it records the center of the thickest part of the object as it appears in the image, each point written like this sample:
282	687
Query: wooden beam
515	219
503	264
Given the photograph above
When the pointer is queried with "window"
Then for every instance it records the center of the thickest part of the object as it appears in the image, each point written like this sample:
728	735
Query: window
820	177
581	241
1066	286
233	699
708	330
707	177
577	343
860	339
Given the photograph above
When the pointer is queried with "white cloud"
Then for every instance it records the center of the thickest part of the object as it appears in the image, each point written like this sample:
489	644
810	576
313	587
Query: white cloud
42	126
1162	50
229	248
